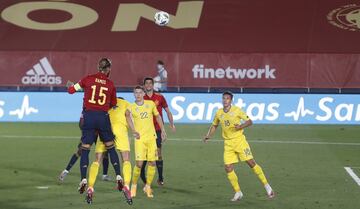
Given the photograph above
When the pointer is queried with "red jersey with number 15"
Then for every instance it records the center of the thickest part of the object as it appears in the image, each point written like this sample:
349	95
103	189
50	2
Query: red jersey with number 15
99	92
160	103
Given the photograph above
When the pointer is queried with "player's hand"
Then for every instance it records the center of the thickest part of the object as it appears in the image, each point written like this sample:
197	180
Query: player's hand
206	139
238	127
69	83
173	128
136	134
163	136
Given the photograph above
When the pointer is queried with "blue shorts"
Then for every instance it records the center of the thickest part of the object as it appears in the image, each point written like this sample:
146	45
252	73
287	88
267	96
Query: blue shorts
158	139
96	123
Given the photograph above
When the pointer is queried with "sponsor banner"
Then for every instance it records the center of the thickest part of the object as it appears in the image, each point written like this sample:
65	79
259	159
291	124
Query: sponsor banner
195	108
186	69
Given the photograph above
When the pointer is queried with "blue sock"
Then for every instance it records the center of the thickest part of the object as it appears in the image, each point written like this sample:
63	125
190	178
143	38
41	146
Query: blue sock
105	163
114	158
159	165
143	172
72	161
84	162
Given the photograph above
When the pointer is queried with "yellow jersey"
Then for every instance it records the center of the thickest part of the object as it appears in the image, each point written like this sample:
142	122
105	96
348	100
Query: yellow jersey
143	118
117	114
228	120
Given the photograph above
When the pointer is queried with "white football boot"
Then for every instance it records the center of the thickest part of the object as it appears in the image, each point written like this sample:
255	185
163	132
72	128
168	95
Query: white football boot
269	191
237	196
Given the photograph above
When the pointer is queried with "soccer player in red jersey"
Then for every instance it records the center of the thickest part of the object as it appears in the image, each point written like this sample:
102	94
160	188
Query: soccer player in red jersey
161	104
99	97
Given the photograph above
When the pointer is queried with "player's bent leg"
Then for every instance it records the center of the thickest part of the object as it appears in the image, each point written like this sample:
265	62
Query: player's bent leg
100	148
233	179
261	176
126	168
71	163
114	158
125	156
94	169
149	178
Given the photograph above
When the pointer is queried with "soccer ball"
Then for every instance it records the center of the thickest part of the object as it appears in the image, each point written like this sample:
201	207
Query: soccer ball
162	18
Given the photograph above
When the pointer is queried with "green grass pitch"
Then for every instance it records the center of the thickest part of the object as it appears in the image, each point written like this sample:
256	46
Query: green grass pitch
304	174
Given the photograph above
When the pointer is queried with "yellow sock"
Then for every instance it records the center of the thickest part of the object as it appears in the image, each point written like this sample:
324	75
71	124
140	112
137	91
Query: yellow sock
136	174
127	172
260	174
234	181
94	169
150	173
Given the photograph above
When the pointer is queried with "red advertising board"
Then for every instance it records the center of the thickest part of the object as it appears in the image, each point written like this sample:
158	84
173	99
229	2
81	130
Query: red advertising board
212	43
186	69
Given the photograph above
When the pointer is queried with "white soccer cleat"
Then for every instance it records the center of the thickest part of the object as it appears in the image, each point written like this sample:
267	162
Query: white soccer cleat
82	186
269	191
237	196
62	175
119	182
106	178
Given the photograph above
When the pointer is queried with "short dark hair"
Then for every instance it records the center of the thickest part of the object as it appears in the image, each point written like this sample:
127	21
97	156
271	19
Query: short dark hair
139	87
160	62
148	79
104	63
228	93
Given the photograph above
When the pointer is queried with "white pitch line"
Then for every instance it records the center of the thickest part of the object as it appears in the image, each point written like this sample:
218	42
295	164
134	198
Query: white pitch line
42	187
276	142
199	140
353	175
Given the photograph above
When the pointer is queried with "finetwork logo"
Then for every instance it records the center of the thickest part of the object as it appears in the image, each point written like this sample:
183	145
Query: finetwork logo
41	73
199	71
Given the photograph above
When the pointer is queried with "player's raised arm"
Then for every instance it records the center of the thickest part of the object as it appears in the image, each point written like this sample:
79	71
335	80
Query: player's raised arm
171	119
131	124
72	88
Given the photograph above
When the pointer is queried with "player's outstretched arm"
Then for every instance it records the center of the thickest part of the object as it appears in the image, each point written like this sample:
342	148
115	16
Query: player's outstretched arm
244	125
72	88
171	119
161	124
210	132
131	124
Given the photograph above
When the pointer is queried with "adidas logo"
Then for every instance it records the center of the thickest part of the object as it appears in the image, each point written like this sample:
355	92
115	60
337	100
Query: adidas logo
41	73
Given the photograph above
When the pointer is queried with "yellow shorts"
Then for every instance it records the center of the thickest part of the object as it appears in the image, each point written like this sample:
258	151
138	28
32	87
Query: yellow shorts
235	149
146	149
122	142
